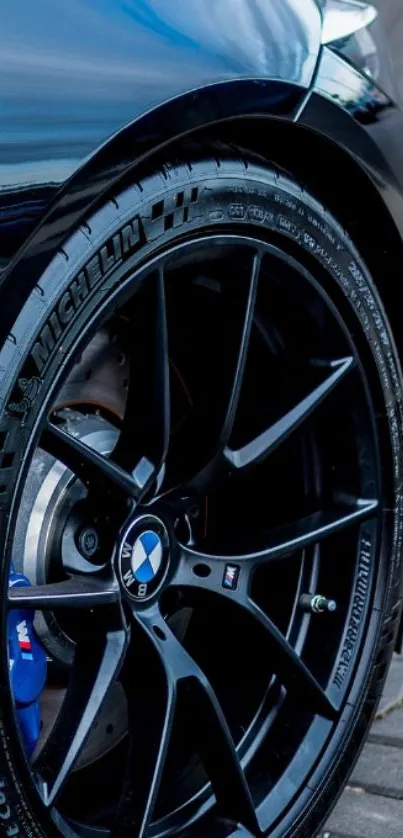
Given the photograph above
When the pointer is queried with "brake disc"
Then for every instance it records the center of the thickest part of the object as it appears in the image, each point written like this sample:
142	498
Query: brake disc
98	384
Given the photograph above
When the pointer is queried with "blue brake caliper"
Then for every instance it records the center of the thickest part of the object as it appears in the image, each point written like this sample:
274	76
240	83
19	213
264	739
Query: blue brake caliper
27	661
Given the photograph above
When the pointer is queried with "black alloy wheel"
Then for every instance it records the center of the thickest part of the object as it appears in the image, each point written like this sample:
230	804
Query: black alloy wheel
200	436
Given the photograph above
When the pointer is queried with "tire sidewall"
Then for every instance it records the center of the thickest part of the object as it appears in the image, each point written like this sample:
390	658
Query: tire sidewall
99	259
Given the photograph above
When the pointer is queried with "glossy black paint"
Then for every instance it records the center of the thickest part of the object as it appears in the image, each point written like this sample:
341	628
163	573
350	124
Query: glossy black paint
89	88
351	110
109	164
366	126
75	72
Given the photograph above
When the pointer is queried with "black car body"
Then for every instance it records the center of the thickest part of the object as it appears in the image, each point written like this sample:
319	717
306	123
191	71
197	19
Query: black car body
132	134
89	90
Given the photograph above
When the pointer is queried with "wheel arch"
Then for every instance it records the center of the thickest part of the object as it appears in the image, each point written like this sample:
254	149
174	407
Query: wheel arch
339	181
78	192
265	125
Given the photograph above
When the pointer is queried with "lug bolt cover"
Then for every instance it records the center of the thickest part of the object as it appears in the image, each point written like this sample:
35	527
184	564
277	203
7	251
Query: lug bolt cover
88	542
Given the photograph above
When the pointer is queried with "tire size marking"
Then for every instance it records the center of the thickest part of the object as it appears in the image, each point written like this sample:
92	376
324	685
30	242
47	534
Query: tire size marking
355	625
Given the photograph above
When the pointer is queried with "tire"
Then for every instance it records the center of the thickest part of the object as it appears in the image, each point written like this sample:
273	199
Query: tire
180	204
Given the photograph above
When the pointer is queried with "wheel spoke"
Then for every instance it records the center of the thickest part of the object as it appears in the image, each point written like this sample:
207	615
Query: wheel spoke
97	662
315	528
243	353
93	468
78	592
284	541
217	751
146	424
263	445
217	416
213	739
151	705
290	669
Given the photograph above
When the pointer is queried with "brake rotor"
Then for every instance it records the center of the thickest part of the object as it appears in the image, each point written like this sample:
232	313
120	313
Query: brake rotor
98	385
99	378
106	733
90	406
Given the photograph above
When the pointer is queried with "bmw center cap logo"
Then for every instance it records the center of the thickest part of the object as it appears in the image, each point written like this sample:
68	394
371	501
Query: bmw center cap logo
143	557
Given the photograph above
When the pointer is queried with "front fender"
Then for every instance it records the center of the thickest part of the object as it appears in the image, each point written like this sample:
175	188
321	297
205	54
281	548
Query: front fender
74	72
86	82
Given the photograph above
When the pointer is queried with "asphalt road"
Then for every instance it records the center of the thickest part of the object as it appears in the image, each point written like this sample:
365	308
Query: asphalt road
372	804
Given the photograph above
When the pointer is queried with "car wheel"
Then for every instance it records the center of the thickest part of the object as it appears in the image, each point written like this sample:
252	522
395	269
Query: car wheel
201	514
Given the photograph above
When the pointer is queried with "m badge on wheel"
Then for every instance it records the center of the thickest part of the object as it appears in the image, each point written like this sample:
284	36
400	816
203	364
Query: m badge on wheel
143	557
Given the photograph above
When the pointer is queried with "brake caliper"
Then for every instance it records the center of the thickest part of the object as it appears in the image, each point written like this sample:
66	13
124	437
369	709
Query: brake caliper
27	661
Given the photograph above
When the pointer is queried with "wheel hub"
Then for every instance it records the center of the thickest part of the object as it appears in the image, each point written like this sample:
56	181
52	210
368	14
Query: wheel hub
143	557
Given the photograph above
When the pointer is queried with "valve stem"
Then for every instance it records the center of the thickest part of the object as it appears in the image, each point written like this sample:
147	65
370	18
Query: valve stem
317	604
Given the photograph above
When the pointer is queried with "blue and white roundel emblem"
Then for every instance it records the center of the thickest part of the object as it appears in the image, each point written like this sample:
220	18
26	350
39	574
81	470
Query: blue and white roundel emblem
146	556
